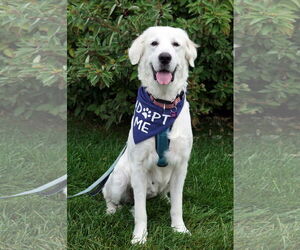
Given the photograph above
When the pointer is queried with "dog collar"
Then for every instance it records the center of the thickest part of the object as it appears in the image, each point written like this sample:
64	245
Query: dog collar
167	104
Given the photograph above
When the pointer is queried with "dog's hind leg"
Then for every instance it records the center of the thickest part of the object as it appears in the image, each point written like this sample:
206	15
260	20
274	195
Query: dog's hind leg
111	208
114	190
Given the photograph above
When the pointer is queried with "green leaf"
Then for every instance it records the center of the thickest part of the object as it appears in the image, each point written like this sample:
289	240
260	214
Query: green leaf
19	110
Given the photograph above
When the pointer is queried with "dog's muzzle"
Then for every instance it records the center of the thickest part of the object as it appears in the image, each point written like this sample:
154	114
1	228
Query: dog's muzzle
163	76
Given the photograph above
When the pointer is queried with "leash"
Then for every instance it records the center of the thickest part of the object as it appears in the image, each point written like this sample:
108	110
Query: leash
97	186
48	189
59	184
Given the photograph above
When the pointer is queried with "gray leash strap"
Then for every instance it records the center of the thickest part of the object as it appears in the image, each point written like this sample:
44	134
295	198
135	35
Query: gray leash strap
58	188
60	184
57	185
98	184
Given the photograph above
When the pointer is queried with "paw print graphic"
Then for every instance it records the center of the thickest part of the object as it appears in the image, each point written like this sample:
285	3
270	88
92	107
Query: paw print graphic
146	113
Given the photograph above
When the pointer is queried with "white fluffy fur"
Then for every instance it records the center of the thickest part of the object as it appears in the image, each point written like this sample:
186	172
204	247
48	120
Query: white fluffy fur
137	170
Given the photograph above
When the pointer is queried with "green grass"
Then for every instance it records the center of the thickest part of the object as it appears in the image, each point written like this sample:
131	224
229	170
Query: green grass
30	157
267	205
208	195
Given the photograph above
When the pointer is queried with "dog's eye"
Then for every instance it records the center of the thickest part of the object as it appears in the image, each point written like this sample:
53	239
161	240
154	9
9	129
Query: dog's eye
154	43
175	44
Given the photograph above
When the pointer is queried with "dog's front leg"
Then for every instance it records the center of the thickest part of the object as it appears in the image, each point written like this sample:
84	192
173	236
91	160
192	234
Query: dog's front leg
176	190
139	185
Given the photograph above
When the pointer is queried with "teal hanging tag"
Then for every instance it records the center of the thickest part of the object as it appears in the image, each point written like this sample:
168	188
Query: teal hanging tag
162	145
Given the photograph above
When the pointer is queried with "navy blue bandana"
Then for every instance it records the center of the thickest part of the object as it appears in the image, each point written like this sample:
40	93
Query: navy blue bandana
149	119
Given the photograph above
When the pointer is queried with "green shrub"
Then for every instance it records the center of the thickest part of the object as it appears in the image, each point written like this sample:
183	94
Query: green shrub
32	58
102	81
267	65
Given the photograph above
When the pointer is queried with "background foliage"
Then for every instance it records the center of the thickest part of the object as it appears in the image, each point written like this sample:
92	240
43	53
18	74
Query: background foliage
102	81
32	57
267	64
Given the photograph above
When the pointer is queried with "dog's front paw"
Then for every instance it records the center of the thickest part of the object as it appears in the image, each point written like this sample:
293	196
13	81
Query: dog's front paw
181	229
139	239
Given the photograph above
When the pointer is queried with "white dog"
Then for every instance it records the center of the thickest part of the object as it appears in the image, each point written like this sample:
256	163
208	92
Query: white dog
163	55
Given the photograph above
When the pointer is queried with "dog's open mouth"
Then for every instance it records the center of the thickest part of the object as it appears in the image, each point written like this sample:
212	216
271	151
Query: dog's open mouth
163	77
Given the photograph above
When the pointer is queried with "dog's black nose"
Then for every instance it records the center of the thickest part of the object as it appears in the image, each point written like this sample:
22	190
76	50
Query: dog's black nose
164	58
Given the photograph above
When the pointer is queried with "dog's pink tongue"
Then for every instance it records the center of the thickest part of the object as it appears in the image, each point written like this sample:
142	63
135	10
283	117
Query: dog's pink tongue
163	77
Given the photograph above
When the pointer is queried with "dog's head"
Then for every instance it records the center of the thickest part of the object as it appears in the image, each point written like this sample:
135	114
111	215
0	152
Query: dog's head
163	55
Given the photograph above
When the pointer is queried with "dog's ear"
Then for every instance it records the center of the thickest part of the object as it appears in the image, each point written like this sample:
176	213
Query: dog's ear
136	50
191	52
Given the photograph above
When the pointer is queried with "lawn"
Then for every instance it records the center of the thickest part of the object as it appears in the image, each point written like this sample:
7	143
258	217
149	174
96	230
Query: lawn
31	155
266	204
208	194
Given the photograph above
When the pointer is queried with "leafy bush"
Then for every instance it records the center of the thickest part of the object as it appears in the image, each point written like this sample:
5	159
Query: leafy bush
100	77
32	58
267	65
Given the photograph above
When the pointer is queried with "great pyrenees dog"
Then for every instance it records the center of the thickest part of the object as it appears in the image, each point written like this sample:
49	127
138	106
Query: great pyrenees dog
163	55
